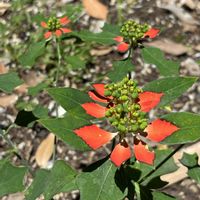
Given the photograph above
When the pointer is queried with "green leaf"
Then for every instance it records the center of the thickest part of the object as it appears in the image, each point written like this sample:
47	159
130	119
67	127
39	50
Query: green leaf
145	169
75	62
194	173
33	91
100	184
64	127
102	37
71	99
155	56
40	112
9	81
161	196
172	87
166	168
189	160
115	29
38	184
73	11
189	125
33	52
11	178
61	178
38	18
120	70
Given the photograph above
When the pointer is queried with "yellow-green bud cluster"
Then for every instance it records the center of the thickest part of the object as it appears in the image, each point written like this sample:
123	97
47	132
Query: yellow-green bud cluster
53	24
133	31
124	112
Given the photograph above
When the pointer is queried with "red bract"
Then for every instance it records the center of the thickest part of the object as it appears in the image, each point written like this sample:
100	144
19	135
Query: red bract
55	27
95	137
124	46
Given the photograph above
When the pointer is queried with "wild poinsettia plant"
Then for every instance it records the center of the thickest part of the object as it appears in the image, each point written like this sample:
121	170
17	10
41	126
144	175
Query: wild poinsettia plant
126	106
133	33
116	113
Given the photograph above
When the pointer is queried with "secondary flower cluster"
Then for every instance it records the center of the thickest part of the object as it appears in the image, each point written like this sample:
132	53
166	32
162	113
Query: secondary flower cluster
125	107
132	32
55	26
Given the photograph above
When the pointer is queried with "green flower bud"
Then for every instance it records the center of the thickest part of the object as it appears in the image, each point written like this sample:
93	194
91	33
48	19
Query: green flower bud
137	107
111	119
108	114
135	114
107	93
142	114
125	92
143	125
124	98
134	127
115	123
132	89
122	121
134	95
119	109
121	128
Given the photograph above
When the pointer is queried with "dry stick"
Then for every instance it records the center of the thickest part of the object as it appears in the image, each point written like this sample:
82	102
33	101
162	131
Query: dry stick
161	163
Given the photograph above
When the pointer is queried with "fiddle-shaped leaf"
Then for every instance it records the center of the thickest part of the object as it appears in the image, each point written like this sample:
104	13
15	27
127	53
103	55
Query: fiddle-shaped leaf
34	51
155	56
120	70
64	127
101	182
50	182
189	128
9	81
11	178
172	87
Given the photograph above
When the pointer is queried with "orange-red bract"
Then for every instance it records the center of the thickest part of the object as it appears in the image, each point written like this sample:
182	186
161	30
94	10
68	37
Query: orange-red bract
159	129
121	153
142	153
94	109
122	47
152	33
94	136
149	100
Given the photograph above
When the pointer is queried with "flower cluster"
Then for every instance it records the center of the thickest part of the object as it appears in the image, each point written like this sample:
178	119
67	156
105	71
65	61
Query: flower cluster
132	32
126	115
125	107
55	26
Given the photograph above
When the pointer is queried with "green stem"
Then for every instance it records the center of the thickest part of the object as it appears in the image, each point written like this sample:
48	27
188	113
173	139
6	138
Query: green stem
14	148
59	62
55	85
161	163
119	11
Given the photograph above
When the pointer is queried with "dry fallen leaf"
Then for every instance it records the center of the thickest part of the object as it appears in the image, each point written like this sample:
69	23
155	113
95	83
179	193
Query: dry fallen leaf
181	173
101	51
169	47
45	150
191	66
95	9
4	7
8	100
16	196
179	12
3	69
189	3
